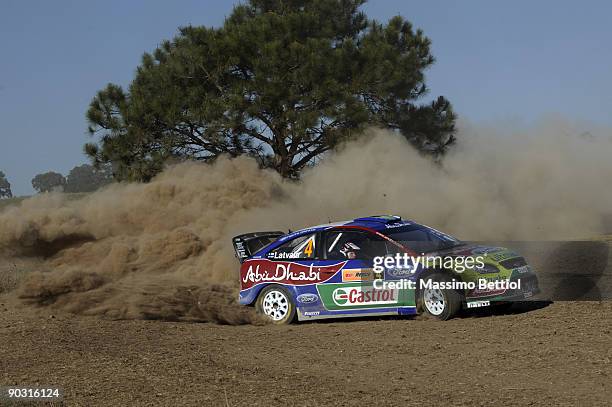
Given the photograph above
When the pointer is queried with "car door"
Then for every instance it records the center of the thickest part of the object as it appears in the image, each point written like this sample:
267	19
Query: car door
297	264
356	292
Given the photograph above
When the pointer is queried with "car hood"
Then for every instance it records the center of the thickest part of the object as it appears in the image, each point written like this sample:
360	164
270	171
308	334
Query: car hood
492	254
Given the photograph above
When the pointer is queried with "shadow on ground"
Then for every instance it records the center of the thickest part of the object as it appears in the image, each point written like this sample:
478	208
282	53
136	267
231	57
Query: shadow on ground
511	308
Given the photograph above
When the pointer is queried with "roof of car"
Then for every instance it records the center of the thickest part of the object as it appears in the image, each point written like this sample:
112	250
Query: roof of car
376	222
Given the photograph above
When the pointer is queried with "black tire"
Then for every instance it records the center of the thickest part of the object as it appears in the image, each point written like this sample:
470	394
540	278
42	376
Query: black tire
271	304
449	300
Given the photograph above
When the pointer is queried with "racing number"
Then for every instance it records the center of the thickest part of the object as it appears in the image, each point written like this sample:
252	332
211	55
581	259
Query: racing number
308	249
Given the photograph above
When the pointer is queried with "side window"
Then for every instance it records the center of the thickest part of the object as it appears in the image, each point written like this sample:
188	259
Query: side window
349	245
302	247
417	240
393	248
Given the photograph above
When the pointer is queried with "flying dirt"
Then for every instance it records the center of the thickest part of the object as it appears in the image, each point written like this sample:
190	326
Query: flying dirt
162	250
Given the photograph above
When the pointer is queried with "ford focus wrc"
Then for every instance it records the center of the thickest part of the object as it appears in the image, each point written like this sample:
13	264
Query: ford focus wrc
329	271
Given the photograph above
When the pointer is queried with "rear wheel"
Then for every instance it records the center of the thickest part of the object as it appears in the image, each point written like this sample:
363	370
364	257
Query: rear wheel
275	303
436	302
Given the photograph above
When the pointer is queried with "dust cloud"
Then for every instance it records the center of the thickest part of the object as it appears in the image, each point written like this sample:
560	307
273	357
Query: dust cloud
162	250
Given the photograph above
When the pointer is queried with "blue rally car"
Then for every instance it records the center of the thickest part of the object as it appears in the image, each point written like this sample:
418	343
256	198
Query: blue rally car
329	271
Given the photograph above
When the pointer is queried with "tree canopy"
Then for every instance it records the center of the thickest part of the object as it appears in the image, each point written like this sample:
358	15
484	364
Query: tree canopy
5	187
281	80
86	178
49	182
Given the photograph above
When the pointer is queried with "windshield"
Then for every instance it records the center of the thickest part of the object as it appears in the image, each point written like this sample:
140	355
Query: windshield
421	239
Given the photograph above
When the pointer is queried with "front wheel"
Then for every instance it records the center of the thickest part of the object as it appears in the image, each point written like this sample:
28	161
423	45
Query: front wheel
275	303
437	302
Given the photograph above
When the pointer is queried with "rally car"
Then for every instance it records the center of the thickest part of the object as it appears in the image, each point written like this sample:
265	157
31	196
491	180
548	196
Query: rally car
329	271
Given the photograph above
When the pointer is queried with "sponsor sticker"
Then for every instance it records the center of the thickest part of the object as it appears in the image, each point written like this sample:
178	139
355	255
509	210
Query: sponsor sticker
398	224
354	296
349	275
291	235
530	289
400	272
486	250
265	271
477	304
491	286
522	269
307	298
240	249
276	255
501	256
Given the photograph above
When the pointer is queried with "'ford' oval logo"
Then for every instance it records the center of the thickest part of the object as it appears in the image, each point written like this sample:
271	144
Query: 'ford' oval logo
400	272
307	298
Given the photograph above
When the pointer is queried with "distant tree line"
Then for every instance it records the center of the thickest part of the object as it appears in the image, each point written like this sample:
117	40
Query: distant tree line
5	187
83	178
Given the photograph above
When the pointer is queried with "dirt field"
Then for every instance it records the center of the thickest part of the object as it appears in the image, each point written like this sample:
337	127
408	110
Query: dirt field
541	354
558	354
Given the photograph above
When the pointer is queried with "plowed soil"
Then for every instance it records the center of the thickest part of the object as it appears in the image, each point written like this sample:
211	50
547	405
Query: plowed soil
539	354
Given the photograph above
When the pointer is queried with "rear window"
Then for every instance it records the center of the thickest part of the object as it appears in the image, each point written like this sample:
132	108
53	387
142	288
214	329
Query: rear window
258	243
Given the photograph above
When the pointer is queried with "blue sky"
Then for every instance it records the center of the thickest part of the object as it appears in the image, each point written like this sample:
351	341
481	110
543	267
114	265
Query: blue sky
503	61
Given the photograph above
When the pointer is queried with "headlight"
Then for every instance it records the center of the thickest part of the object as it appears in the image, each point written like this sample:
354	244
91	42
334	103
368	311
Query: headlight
486	269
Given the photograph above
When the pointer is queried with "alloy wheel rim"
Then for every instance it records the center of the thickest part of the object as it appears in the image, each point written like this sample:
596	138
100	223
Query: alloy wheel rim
434	301
275	305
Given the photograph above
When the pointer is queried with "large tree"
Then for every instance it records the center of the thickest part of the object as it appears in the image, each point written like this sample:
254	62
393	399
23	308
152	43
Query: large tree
49	182
282	80
5	187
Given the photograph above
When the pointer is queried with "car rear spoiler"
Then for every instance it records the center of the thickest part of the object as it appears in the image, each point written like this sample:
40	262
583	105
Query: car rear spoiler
250	243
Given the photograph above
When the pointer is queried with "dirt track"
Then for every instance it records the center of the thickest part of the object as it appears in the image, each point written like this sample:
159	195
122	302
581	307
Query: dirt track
556	355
